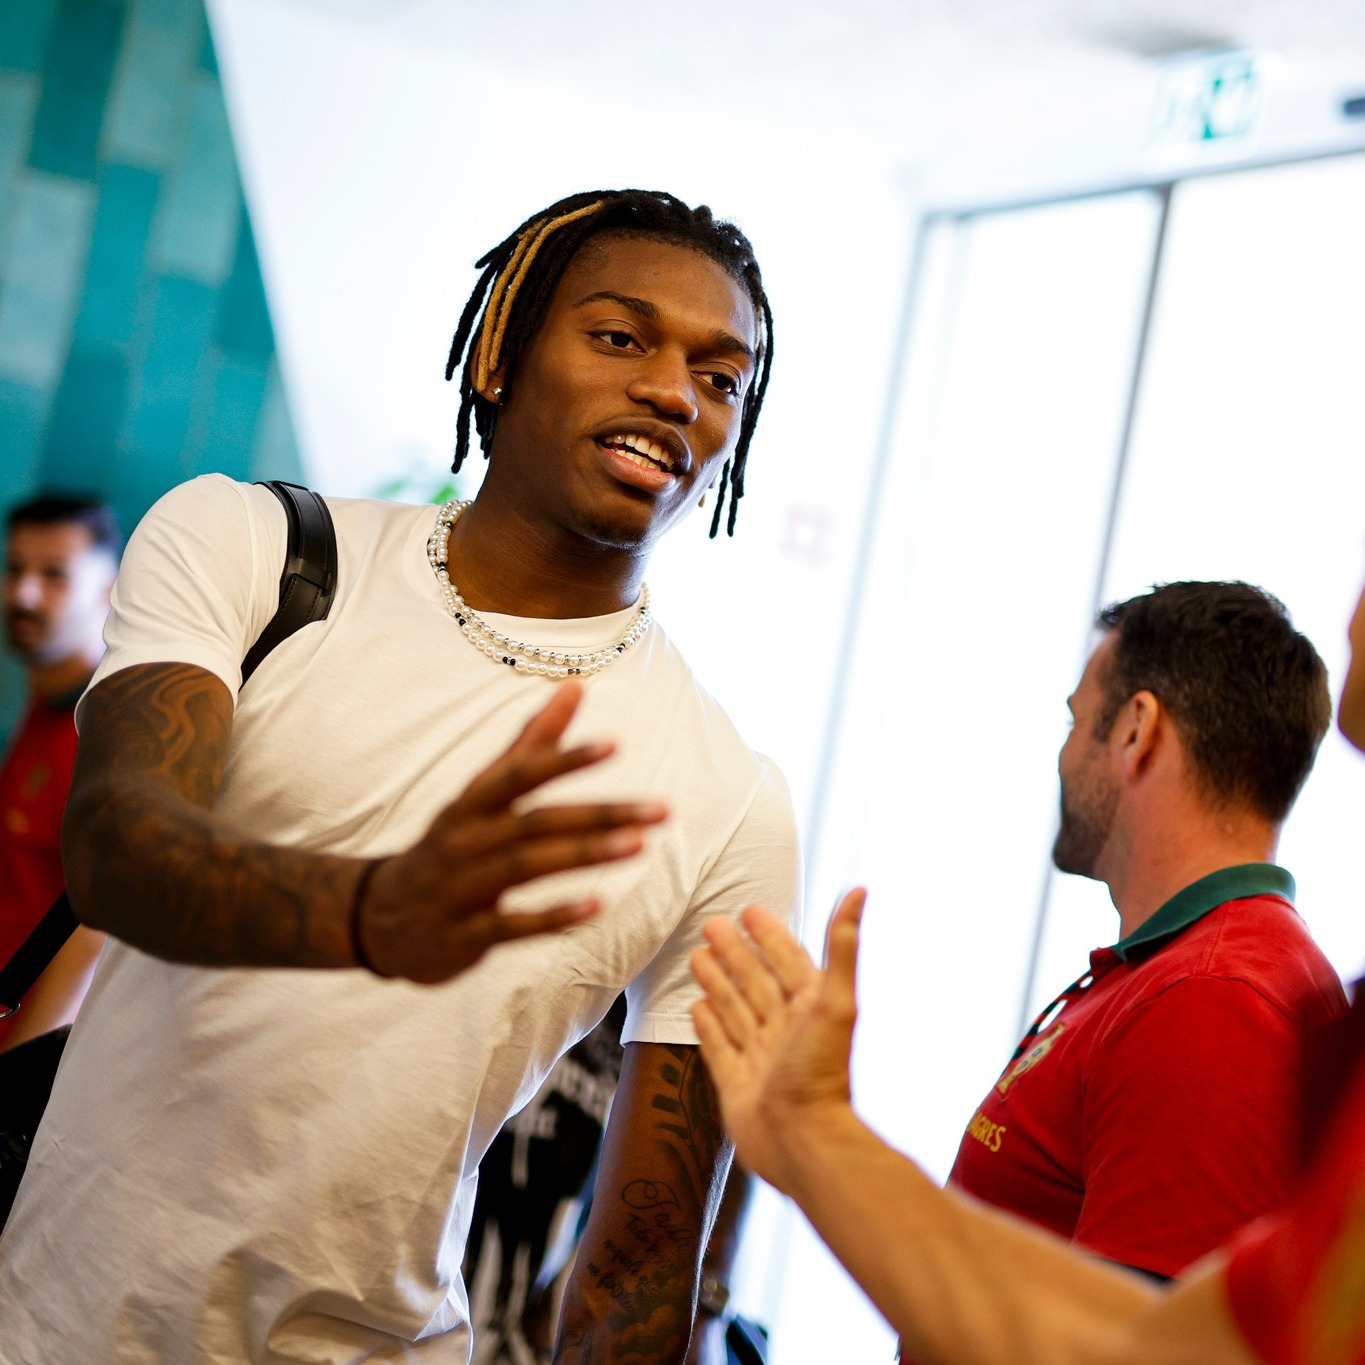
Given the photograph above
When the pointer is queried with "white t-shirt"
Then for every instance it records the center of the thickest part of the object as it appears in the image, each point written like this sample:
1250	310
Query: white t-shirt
279	1164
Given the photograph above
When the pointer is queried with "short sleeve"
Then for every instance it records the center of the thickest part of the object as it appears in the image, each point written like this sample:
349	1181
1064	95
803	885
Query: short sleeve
198	581
760	864
1191	1123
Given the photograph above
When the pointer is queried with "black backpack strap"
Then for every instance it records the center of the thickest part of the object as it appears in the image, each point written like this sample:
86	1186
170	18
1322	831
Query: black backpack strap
746	1342
34	953
309	578
307	585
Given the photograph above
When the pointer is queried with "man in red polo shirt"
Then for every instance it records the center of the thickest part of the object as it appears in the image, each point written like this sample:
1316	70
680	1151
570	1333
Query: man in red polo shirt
61	554
1152	1109
962	1281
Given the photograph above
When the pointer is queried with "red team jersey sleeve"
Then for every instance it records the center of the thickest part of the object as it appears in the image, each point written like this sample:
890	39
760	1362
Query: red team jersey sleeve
1296	1280
34	780
1187	1130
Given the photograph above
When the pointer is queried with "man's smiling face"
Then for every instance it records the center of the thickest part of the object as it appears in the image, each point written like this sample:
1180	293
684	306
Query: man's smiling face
629	397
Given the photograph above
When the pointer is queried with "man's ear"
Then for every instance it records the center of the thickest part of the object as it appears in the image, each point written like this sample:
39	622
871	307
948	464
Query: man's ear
1141	725
492	391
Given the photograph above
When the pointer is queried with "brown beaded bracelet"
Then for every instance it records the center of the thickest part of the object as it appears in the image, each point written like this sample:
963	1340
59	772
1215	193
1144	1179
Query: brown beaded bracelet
362	885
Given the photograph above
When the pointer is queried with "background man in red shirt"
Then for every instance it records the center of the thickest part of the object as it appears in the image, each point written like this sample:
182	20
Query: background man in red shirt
61	555
1154	1107
963	1281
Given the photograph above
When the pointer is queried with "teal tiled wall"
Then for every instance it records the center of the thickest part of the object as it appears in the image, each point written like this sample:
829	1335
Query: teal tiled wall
135	341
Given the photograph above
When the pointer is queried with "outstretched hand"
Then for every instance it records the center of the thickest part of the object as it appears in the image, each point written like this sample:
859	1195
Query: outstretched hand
430	913
776	1031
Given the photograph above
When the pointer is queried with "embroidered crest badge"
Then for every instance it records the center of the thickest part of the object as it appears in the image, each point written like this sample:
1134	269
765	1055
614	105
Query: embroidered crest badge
1030	1059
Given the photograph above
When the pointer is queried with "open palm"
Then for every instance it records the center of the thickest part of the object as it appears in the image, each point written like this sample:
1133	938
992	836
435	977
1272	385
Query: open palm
776	1031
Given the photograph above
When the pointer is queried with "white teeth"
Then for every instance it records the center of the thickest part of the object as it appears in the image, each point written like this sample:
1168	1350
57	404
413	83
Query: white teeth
632	446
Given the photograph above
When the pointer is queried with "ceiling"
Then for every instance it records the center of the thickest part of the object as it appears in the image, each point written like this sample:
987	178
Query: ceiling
929	78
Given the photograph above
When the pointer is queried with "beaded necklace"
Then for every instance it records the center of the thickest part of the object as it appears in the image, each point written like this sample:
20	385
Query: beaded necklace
545	663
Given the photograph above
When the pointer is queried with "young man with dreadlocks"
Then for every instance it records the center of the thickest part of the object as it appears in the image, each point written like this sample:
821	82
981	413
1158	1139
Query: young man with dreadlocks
241	1163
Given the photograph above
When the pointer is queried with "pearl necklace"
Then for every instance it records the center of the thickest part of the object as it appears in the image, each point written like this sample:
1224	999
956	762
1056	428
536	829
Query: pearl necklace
545	663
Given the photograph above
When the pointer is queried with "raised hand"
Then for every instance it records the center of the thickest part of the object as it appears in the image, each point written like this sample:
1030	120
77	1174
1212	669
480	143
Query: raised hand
431	912
776	1032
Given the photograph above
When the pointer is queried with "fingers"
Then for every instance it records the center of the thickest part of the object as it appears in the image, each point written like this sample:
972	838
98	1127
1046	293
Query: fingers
504	927
729	1010
548	724
705	1020
546	728
752	976
544	822
841	948
520	770
717	1048
487	857
750	981
534	757
789	961
467	939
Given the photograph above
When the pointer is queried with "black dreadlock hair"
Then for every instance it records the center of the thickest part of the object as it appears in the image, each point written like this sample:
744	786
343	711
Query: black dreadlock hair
520	275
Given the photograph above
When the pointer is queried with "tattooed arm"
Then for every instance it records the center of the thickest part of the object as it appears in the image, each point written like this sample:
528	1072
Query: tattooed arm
146	859
633	1291
142	856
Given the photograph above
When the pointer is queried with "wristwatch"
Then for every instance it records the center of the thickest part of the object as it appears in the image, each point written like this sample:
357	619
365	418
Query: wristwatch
714	1297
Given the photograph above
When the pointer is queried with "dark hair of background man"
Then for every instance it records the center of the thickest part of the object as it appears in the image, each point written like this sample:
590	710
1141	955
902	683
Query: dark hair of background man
1247	692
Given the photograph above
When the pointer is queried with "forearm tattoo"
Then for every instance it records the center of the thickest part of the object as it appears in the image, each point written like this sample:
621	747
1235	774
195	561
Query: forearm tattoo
144	857
637	1271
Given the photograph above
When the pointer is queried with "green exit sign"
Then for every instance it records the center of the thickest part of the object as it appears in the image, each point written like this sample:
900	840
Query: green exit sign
1207	97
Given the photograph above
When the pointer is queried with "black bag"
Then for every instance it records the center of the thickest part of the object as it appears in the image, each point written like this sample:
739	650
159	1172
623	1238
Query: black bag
307	586
26	1076
746	1342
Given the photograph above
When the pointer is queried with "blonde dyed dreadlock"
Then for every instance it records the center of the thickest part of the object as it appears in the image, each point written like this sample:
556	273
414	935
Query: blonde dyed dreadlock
521	273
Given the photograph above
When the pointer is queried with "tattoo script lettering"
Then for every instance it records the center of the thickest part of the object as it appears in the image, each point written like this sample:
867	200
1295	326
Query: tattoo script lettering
633	1293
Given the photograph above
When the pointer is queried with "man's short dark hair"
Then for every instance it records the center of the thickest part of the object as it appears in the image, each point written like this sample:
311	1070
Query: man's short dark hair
520	275
52	509
1247	692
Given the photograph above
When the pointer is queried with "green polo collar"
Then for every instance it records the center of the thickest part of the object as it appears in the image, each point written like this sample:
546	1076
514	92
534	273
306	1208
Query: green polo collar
1208	893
